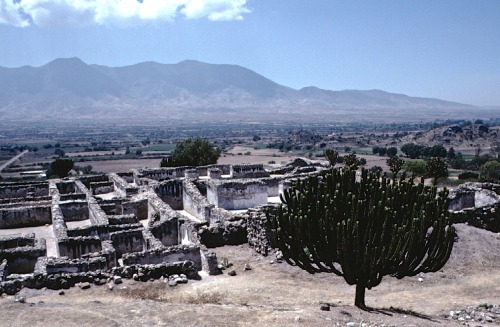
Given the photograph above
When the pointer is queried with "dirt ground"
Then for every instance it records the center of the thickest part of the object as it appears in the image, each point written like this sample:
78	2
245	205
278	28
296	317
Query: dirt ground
275	294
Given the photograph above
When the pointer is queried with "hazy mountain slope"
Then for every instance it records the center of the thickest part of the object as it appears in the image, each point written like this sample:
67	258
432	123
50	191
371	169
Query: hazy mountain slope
72	88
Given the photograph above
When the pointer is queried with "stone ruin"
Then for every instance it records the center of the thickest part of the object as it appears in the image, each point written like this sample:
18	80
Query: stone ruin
144	224
140	224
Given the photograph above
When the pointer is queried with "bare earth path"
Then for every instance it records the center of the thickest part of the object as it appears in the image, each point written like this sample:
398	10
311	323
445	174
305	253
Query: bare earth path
275	294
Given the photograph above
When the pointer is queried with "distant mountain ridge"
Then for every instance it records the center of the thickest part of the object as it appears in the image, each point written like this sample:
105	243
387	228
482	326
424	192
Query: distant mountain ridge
71	88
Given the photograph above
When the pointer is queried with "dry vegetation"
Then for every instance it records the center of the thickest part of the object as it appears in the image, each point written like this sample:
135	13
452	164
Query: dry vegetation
275	295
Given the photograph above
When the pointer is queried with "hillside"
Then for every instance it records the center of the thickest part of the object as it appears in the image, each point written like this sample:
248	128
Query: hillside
469	136
69	88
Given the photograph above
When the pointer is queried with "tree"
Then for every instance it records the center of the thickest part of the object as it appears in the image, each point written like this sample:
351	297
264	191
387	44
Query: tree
60	168
352	161
192	152
436	168
412	150
363	230
59	152
490	172
437	151
392	151
395	164
451	154
331	156
415	167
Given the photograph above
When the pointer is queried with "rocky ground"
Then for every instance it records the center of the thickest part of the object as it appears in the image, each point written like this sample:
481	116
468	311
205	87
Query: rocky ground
465	292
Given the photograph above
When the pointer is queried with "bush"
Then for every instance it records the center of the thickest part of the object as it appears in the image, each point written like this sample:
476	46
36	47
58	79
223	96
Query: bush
490	172
415	167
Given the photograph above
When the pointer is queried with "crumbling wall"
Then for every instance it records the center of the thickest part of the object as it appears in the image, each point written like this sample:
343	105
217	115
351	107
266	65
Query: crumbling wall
260	235
166	231
3	270
171	254
127	241
101	187
23	190
171	192
248	171
194	202
66	187
18	217
76	210
121	186
96	215
75	247
22	260
237	195
138	208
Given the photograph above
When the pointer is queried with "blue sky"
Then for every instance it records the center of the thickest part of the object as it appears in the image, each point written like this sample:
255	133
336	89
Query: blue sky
447	49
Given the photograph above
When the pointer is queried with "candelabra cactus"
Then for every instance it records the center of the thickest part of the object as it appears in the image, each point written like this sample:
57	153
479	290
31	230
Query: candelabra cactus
363	229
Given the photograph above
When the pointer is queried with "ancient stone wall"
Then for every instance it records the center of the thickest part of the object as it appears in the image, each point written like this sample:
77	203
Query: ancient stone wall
75	247
22	260
30	216
171	254
121	186
122	219
76	210
23	190
170	192
194	202
260	235
102	187
66	187
166	231
248	171
127	241
17	241
237	195
138	208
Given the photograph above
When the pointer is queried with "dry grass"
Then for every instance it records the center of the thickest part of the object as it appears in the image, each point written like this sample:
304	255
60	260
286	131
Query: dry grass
162	294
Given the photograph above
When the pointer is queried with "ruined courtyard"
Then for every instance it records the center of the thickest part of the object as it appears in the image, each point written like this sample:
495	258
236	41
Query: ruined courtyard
168	225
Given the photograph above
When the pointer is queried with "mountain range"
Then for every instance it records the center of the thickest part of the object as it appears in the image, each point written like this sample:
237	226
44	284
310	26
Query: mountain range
69	88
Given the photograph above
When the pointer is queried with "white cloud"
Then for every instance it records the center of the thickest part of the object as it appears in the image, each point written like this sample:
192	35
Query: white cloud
24	13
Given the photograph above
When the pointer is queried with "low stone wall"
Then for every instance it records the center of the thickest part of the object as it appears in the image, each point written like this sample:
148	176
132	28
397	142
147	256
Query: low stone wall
236	195
25	216
23	190
121	186
487	217
76	210
122	219
101	231
72	197
61	265
75	247
166	231
171	254
22	260
127	176
88	180
248	171
96	214
108	252
7	242
66	187
260	235
3	270
194	202
101	187
138	208
170	192
127	241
